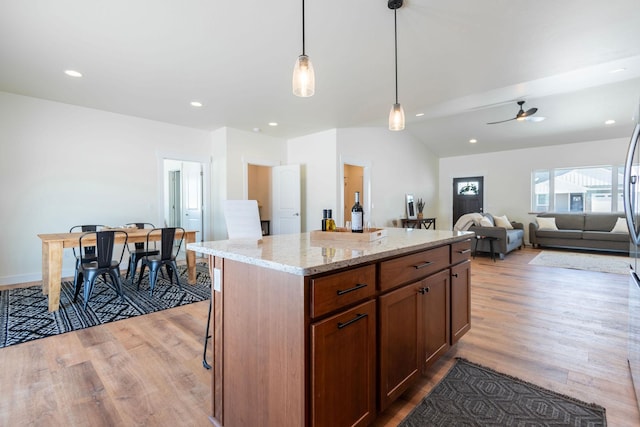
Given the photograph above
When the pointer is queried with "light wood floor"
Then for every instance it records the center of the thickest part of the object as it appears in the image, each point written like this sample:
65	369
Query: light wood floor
561	329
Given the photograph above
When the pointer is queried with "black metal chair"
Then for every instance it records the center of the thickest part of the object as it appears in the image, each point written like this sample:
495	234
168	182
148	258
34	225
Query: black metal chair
139	251
169	251
88	252
101	262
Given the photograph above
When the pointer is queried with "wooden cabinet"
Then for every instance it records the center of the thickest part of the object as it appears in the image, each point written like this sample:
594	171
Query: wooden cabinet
414	328
460	300
343	368
343	348
330	293
412	267
400	341
436	309
332	348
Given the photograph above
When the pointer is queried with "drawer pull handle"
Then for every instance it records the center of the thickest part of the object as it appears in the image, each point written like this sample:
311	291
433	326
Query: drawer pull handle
454	275
464	251
355	319
424	290
355	288
423	265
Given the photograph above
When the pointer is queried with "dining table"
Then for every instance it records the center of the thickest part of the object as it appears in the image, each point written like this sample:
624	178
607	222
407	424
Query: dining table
53	245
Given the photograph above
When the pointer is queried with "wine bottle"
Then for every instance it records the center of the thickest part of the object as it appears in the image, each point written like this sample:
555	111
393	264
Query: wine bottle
357	216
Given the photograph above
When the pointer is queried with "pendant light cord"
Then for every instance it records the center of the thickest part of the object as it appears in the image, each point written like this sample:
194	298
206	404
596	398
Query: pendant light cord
395	31
303	27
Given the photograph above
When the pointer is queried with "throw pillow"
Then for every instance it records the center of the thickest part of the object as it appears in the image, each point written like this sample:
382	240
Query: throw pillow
621	226
546	224
486	222
502	221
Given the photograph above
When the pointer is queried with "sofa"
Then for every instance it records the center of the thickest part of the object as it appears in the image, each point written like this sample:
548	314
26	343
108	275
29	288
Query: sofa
504	239
594	231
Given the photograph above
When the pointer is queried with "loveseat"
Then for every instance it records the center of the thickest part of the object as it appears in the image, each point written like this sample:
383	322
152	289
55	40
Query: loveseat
505	239
593	231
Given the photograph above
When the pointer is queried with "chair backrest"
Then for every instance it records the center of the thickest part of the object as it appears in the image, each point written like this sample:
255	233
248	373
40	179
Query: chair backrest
104	244
141	225
88	250
169	249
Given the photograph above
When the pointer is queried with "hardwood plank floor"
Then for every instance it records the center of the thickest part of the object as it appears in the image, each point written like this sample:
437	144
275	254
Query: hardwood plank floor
561	329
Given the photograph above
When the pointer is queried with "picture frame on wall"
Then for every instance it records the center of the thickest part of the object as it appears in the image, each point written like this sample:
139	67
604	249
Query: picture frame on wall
411	207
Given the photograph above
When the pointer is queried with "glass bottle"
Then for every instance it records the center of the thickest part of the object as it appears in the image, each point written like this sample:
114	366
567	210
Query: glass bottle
357	216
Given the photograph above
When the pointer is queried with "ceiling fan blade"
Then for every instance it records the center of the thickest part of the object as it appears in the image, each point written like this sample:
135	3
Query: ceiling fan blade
501	121
529	112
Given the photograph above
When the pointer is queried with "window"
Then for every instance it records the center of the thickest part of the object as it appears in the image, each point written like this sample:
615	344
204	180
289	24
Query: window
584	189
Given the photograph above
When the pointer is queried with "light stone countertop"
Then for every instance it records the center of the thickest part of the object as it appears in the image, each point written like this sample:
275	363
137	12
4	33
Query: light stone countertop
303	255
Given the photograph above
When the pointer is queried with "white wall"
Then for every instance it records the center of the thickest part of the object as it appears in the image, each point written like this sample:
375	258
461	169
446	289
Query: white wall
316	155
62	165
507	174
399	165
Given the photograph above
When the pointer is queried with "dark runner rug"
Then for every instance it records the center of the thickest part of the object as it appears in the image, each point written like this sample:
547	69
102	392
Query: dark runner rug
24	314
472	395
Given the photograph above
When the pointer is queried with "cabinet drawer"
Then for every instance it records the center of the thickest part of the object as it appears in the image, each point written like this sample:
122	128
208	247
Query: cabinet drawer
412	267
460	251
341	289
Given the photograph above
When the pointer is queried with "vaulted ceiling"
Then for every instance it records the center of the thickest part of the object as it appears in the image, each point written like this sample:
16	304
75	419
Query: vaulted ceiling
461	64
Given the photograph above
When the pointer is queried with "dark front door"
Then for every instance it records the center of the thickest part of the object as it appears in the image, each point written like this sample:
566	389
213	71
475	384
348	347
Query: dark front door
467	196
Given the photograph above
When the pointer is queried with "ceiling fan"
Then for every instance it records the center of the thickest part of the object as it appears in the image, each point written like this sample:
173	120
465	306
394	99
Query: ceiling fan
522	115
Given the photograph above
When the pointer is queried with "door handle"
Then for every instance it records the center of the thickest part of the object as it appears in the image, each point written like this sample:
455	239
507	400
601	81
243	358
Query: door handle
296	214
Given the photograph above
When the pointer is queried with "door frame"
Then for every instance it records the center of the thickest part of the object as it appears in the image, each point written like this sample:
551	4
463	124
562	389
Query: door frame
207	225
366	187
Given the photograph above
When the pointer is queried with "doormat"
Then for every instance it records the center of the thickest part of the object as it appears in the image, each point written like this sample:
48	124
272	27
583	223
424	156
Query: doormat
472	395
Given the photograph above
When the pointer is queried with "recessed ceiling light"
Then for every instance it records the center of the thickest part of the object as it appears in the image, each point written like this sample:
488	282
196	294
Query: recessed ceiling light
419	114
273	124
473	141
609	122
618	70
196	104
73	73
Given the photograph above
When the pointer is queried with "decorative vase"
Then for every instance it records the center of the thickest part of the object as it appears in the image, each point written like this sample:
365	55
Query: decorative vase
419	215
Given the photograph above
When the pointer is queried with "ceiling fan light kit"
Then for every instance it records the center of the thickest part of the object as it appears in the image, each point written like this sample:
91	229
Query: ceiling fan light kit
304	80
396	116
520	116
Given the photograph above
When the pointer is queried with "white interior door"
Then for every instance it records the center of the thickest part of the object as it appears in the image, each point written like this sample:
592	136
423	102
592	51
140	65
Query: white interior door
192	197
285	216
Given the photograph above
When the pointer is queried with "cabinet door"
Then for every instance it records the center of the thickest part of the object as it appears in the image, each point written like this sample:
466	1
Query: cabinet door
460	300
400	341
343	371
436	320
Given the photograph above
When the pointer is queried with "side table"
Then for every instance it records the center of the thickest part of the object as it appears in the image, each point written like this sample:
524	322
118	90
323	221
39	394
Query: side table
491	246
427	223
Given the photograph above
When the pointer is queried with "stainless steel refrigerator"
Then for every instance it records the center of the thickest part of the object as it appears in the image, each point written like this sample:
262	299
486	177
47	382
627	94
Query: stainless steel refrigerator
632	210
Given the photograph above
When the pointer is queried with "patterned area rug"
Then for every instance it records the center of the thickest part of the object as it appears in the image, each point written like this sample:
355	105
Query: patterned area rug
618	264
24	314
472	395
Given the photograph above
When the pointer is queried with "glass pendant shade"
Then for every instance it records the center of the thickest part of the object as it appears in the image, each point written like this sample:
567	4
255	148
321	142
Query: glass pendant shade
304	80
396	117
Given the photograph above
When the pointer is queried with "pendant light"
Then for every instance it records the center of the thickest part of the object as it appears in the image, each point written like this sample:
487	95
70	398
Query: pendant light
304	81
396	116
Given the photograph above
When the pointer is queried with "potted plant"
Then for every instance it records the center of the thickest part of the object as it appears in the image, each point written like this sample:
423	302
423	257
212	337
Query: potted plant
420	205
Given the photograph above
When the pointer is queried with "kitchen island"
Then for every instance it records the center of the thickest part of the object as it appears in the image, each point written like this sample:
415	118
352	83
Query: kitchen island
320	332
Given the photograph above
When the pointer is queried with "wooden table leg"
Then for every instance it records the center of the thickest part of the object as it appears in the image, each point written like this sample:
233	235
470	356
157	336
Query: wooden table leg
52	272
191	260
